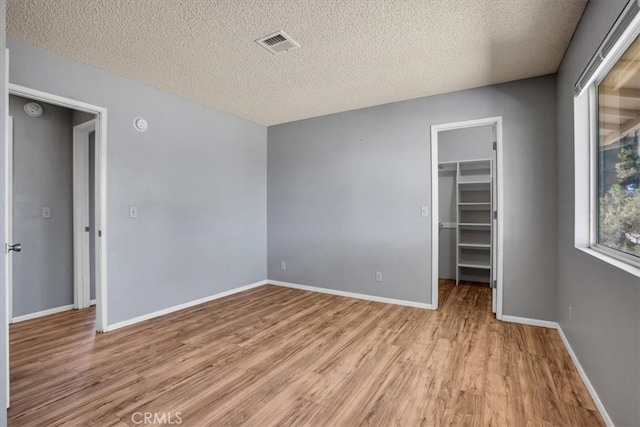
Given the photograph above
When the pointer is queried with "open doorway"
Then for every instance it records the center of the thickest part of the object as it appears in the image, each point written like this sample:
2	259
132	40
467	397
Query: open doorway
50	183
466	233
40	202
51	194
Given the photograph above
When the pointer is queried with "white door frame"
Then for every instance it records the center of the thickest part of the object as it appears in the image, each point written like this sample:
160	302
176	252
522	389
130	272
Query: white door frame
435	129
81	223
100	187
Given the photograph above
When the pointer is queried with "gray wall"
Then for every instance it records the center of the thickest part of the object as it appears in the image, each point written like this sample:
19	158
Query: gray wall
472	143
78	117
345	192
3	285
466	144
42	176
605	327
196	177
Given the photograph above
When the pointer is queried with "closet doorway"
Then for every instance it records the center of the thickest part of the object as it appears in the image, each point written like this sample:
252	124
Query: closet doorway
466	165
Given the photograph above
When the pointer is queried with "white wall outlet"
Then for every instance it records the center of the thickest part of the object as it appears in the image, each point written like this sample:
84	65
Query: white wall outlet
378	276
570	313
46	212
228	272
283	265
133	212
424	211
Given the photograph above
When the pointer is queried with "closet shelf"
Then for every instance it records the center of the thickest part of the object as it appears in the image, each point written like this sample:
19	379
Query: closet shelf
475	206
475	245
482	164
473	226
474	216
474	186
474	264
474	179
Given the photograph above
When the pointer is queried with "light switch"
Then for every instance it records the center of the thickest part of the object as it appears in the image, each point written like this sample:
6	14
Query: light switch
424	211
46	212
133	212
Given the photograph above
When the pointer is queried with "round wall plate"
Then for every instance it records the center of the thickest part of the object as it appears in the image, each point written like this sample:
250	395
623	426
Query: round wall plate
140	124
33	109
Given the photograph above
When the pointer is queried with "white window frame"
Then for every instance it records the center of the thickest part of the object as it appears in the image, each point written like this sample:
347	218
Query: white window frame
586	140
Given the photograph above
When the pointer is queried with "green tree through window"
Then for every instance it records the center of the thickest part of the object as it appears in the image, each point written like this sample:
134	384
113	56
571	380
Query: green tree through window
619	221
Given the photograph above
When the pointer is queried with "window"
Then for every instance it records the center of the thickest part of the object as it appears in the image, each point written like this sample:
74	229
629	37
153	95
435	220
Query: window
606	148
618	156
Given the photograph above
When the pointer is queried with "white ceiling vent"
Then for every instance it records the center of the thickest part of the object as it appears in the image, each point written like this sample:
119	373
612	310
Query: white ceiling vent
278	42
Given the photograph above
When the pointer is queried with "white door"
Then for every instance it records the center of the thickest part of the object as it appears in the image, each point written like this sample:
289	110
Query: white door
10	246
81	225
8	259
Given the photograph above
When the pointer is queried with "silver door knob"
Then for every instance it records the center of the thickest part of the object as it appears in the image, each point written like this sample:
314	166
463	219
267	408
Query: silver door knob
16	248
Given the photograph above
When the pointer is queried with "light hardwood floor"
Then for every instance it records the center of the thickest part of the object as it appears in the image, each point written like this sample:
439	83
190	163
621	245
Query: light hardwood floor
278	356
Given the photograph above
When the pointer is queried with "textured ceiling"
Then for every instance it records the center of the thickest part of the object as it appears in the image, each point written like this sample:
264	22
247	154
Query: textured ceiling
354	54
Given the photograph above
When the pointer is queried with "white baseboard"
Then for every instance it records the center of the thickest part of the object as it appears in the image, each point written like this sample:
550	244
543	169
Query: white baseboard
168	310
42	313
92	302
532	322
585	379
350	294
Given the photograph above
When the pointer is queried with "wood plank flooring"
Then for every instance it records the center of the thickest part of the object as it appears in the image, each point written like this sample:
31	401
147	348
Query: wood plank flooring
278	356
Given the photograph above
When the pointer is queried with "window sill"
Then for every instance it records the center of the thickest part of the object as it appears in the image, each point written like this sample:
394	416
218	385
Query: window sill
631	269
